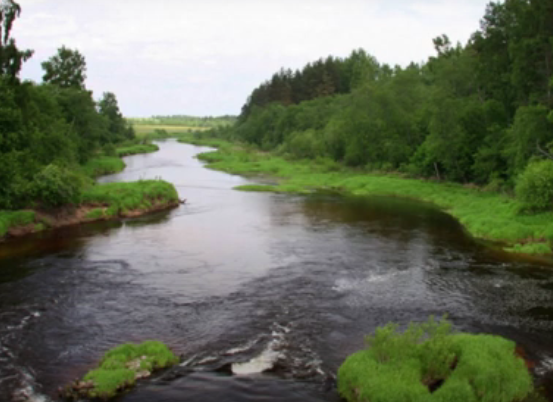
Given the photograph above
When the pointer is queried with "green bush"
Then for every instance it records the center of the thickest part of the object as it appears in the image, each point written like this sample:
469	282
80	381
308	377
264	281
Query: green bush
534	187
428	362
54	186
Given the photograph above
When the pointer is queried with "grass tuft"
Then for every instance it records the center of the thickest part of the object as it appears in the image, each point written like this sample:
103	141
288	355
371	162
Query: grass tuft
428	362
119	369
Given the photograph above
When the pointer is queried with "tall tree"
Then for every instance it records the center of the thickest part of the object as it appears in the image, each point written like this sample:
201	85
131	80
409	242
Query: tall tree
11	58
67	69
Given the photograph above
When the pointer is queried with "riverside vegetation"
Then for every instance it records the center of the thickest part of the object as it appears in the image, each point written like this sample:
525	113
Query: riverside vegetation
472	127
54	138
484	213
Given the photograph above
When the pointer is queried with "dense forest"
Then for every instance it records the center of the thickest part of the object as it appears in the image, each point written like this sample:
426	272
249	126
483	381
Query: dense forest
479	113
48	130
187	121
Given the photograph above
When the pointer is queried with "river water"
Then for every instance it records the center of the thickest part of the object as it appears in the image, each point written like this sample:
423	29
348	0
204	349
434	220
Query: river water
263	295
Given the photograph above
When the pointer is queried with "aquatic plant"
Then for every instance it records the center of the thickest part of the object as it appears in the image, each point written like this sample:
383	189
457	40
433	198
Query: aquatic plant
429	362
120	368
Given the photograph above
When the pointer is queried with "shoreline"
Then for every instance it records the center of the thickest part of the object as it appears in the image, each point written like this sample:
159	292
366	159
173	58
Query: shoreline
101	202
484	215
79	215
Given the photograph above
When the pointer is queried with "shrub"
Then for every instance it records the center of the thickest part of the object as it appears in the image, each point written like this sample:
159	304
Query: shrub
428	362
534	187
55	186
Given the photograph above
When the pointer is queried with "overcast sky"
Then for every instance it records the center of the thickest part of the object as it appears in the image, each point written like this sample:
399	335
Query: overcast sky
204	57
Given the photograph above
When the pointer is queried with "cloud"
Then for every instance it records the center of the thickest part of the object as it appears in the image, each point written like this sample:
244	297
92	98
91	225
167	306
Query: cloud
205	57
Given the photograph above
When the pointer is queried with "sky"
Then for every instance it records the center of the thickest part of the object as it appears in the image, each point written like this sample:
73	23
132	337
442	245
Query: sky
204	57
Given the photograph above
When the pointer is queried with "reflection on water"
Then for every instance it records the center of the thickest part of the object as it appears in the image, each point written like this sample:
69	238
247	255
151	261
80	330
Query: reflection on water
235	279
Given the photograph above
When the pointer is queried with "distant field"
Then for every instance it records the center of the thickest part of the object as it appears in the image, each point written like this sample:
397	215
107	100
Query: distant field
143	129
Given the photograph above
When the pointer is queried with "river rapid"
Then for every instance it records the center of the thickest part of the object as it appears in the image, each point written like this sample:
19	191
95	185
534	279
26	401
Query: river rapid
263	295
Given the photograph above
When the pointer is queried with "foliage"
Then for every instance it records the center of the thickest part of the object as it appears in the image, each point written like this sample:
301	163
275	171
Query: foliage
473	113
67	69
119	367
55	186
11	58
534	187
57	123
409	366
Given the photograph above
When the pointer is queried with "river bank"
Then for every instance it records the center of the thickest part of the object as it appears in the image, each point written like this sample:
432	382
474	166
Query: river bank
99	202
102	202
484	214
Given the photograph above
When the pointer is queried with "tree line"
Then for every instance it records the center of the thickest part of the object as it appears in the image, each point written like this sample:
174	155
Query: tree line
47	130
476	113
187	121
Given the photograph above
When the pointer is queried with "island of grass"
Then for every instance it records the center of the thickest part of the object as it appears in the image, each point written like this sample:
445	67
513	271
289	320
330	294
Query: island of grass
428	362
119	370
486	215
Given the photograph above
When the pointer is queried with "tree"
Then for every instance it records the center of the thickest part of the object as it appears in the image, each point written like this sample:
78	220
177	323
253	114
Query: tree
11	58
117	126
67	69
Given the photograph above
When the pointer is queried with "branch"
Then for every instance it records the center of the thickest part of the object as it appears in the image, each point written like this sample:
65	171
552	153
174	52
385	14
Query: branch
543	152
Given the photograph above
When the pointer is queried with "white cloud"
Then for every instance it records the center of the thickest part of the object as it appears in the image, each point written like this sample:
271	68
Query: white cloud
205	57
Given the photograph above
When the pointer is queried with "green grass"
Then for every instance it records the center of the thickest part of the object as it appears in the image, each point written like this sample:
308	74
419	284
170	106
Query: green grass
195	139
486	215
409	366
9	219
125	197
94	214
103	165
119	367
136	149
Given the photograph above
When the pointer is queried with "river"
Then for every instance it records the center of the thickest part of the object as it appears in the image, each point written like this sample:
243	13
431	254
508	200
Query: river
241	282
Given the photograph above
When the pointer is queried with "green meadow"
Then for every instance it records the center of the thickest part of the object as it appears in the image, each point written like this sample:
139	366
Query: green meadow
143	130
485	214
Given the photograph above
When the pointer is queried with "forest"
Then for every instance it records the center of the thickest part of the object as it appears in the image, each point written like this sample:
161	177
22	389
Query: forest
478	114
50	131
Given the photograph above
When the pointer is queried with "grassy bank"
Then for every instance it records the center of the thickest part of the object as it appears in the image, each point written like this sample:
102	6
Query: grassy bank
143	130
485	215
102	165
100	202
137	149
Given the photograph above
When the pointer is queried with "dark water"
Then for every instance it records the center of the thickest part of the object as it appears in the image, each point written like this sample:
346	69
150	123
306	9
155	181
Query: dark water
292	283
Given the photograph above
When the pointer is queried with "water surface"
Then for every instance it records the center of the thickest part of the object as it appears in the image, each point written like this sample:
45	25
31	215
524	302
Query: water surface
241	282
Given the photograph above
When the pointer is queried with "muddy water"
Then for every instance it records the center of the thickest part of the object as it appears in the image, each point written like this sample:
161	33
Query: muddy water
244	283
